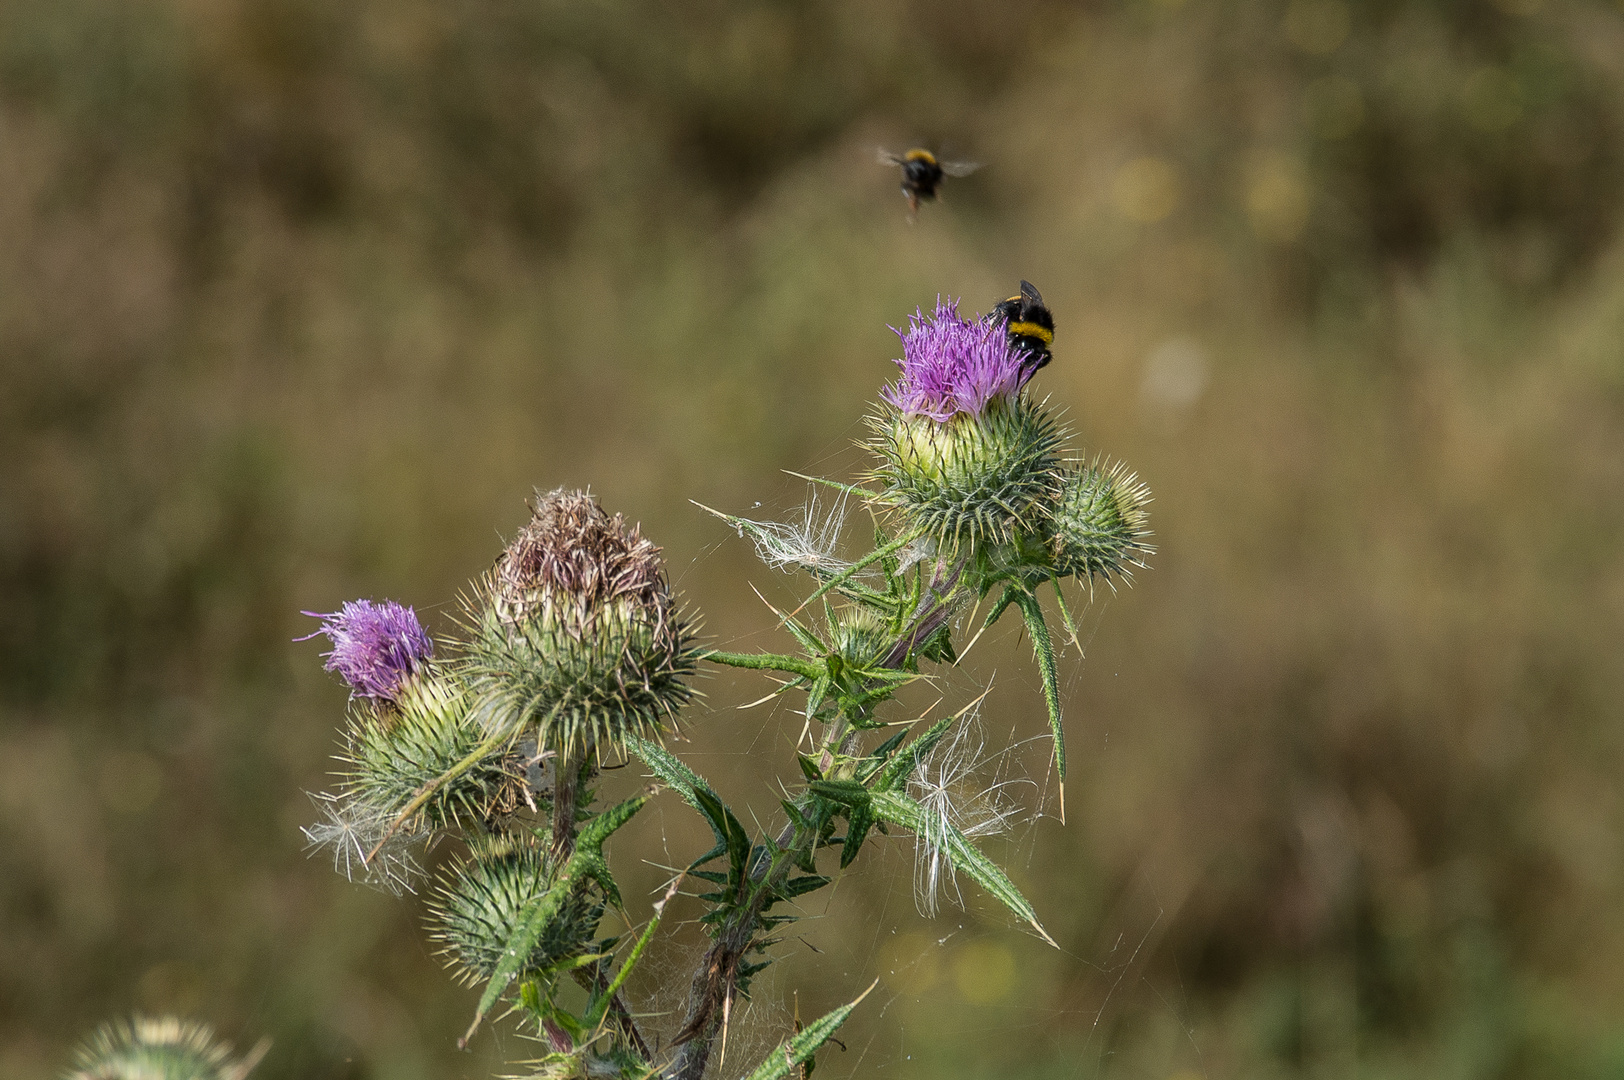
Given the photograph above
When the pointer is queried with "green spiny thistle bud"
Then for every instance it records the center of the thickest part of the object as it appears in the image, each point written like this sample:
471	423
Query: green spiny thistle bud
859	637
972	479
577	632
426	739
159	1049
482	899
1099	523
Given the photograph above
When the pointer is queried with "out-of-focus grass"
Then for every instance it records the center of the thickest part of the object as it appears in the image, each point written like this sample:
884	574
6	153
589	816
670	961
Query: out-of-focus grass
298	302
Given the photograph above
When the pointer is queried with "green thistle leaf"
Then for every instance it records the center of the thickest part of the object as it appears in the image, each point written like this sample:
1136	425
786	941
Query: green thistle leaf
858	822
601	1002
731	834
896	772
845	792
795	1052
790	665
1043	648
899	809
669	769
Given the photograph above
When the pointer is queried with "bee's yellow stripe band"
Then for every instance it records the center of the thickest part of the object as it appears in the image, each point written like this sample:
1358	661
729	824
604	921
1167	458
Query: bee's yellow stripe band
1027	329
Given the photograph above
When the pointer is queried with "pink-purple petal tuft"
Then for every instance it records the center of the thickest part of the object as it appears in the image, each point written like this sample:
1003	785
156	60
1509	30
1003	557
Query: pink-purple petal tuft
952	365
375	646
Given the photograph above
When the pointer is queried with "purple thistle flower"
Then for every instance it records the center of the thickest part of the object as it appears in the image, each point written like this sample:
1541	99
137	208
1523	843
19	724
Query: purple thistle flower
375	646
953	365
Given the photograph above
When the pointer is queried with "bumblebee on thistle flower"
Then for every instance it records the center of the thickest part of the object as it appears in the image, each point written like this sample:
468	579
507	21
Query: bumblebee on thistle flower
1027	321
967	458
971	462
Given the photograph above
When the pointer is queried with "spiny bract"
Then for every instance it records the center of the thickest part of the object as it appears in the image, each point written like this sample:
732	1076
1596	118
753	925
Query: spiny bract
577	633
481	900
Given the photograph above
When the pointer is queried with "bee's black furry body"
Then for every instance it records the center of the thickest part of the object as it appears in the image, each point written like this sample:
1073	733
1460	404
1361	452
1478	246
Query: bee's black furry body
1028	323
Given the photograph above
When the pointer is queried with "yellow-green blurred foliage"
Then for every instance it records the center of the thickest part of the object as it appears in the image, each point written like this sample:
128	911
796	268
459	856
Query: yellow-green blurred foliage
299	300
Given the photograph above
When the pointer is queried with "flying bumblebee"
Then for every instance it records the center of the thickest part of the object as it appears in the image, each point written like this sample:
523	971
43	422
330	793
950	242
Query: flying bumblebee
922	173
1027	322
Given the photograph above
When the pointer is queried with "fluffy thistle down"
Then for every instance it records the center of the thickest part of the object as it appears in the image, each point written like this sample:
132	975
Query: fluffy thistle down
576	632
965	457
481	900
430	742
1100	523
364	845
953	787
165	1048
809	544
376	647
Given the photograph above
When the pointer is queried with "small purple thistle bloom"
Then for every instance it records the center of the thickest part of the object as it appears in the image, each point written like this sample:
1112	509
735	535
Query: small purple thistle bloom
375	646
953	365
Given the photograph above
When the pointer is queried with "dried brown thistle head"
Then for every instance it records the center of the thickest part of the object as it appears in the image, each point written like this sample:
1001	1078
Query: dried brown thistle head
577	632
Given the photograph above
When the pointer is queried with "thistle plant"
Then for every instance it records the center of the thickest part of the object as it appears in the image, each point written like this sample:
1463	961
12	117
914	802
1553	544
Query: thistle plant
572	653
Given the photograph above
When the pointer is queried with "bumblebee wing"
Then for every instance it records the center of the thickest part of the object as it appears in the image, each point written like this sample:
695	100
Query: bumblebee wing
959	168
1030	293
886	157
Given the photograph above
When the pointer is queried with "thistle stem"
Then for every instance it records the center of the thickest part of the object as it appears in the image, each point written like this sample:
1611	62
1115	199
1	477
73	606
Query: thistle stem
557	1037
566	780
713	980
933	611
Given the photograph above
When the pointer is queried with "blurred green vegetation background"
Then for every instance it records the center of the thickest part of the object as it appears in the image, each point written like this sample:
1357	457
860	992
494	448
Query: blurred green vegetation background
299	302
